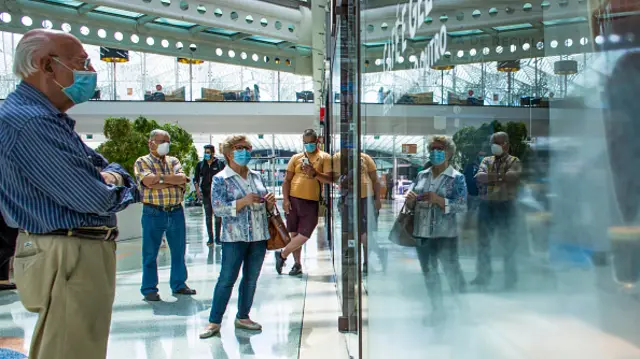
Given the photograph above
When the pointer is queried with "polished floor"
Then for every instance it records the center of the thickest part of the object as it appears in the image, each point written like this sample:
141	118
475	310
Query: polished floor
560	309
169	329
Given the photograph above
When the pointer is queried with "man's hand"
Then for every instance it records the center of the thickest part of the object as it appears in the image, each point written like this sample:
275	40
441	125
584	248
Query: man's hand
112	178
378	203
198	193
309	170
286	205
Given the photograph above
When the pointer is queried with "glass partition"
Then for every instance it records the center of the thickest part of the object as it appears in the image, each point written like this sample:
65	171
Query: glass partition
524	236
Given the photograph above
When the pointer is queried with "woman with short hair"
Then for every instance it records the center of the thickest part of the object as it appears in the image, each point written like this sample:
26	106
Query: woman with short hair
240	197
437	195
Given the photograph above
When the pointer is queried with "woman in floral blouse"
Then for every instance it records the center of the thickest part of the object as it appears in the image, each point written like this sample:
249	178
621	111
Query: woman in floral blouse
437	195
240	197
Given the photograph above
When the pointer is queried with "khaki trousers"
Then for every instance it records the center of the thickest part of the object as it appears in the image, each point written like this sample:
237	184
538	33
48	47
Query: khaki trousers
70	283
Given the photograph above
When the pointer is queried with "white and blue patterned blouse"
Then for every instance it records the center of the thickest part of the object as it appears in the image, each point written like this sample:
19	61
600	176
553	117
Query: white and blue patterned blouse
430	220
250	224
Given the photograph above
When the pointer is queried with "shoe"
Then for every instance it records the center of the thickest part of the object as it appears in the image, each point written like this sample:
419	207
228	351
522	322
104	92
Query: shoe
218	242
296	270
8	286
279	261
152	297
209	243
185	291
210	331
248	324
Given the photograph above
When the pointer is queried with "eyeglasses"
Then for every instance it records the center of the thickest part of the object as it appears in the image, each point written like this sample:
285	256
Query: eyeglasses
241	147
86	62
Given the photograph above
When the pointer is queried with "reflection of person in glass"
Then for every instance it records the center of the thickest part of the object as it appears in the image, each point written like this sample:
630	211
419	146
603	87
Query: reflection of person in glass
437	195
622	129
498	178
370	202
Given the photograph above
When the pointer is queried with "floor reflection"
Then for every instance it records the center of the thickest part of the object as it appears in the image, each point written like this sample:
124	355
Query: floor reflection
169	329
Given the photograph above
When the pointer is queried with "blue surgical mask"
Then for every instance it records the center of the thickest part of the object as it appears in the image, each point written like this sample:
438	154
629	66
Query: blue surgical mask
437	157
241	157
310	147
83	87
207	156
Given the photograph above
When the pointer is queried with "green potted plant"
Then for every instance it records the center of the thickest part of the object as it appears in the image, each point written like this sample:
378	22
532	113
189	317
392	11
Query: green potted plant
127	141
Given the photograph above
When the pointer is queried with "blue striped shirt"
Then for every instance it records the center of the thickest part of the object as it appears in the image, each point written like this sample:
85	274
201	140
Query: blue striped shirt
49	178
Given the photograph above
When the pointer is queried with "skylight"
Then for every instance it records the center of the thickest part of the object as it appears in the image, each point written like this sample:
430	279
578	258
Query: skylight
118	12
172	22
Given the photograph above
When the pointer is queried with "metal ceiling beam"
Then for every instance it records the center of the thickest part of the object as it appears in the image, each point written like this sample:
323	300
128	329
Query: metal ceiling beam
233	15
206	44
374	18
86	8
240	36
146	19
196	29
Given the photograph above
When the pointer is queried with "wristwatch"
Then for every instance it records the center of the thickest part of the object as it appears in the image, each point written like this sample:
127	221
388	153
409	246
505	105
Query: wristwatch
161	179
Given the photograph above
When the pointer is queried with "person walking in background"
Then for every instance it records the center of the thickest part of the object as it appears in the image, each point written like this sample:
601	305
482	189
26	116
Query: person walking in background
240	197
437	196
8	237
64	200
499	178
205	170
162	186
470	171
390	182
302	189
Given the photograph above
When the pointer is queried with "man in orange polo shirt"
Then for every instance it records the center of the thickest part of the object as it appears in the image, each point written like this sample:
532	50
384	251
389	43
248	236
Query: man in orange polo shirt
302	190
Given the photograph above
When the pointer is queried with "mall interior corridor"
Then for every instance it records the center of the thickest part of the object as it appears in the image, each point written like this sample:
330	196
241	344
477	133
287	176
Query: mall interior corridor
298	314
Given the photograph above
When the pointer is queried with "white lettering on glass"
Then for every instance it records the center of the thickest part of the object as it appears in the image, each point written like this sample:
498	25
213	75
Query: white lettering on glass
410	18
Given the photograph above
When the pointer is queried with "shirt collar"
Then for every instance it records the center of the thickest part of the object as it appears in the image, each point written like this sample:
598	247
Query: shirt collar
447	172
36	96
228	172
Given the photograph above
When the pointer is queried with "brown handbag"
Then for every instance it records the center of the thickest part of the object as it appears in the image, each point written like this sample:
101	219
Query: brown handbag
402	230
278	233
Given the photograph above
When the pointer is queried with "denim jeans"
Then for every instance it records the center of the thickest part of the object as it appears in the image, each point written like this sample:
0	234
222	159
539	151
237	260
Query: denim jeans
497	218
155	223
445	250
249	256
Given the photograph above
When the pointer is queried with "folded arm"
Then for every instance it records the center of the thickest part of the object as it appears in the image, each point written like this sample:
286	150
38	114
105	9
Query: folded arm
66	174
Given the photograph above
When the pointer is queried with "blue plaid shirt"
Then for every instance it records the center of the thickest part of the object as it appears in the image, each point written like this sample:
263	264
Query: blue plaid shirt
50	179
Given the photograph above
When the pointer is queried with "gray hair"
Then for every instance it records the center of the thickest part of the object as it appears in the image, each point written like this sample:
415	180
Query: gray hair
502	135
447	141
24	64
158	132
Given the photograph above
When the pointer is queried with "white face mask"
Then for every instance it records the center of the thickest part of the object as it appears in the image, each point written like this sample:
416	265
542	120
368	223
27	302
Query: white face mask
163	149
496	150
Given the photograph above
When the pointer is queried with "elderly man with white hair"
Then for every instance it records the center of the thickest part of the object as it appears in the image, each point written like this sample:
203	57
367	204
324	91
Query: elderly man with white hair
162	186
63	196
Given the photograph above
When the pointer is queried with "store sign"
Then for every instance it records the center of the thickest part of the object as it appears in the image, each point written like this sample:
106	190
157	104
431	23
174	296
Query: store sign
409	19
409	148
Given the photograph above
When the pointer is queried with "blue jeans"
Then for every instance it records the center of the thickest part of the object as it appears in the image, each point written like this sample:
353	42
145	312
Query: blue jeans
155	223
249	256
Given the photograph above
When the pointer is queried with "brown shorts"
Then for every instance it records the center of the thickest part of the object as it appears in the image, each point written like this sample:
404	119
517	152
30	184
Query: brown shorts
303	216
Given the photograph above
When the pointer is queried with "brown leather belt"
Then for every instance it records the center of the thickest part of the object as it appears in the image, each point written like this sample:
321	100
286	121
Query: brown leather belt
92	233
